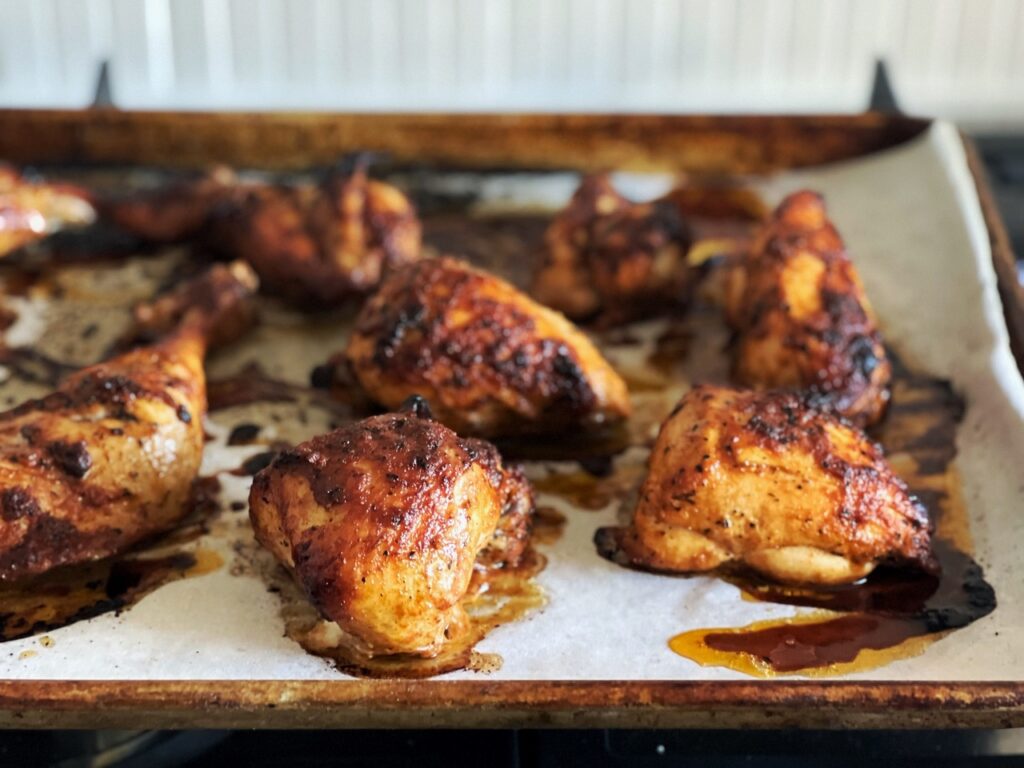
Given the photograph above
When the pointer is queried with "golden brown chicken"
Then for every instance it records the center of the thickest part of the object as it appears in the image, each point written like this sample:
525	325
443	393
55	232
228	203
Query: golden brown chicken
171	213
32	210
323	244
382	522
604	254
763	479
490	361
802	318
108	459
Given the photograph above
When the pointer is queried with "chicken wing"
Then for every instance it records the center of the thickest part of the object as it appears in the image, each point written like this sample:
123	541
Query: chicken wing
766	480
320	245
31	210
109	458
802	318
490	361
604	254
382	522
171	213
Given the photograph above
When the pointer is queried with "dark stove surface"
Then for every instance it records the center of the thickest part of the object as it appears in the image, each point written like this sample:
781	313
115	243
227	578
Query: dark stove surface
521	749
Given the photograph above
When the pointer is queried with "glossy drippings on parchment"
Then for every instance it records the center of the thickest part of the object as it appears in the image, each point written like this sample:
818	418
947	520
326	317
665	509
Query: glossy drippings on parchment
71	594
495	597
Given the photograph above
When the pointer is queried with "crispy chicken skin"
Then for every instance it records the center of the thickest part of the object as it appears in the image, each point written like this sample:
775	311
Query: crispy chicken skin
606	255
30	210
802	318
171	213
764	479
382	522
317	245
108	459
491	361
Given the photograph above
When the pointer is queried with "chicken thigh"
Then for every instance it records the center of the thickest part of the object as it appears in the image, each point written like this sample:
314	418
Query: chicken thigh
490	361
109	458
317	245
173	212
763	479
382	522
802	318
606	255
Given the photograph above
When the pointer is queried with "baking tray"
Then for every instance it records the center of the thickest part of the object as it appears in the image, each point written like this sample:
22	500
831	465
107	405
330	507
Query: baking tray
699	145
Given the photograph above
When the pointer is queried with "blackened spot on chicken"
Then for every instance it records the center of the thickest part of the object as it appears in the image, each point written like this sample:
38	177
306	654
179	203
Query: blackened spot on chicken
409	318
570	384
30	433
765	427
862	353
16	503
418	406
72	458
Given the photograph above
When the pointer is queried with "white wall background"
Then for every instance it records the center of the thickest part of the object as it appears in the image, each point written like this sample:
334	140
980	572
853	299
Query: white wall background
957	58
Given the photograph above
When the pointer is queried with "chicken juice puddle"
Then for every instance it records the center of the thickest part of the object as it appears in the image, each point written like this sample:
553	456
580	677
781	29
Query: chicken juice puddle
496	596
889	615
75	593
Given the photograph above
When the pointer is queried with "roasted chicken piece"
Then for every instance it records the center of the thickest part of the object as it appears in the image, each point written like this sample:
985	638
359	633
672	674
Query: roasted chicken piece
32	210
763	479
172	213
382	522
606	255
490	361
321	244
109	458
801	316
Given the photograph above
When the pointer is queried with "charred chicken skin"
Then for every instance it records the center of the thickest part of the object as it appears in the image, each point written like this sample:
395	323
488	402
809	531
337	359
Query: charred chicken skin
802	318
606	255
491	361
108	459
763	479
382	522
174	212
321	244
31	210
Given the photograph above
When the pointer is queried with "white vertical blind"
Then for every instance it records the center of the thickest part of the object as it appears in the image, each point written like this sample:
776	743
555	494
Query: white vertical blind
958	58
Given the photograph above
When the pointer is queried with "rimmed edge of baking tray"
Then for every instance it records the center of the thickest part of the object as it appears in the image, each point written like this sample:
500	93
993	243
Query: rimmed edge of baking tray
395	703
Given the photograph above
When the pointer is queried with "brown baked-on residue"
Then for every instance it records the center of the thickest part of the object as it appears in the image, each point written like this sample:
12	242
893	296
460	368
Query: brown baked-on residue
605	255
108	459
766	480
383	522
490	360
802	317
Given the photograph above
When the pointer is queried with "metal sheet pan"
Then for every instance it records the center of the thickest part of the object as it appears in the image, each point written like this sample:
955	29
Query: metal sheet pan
697	145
